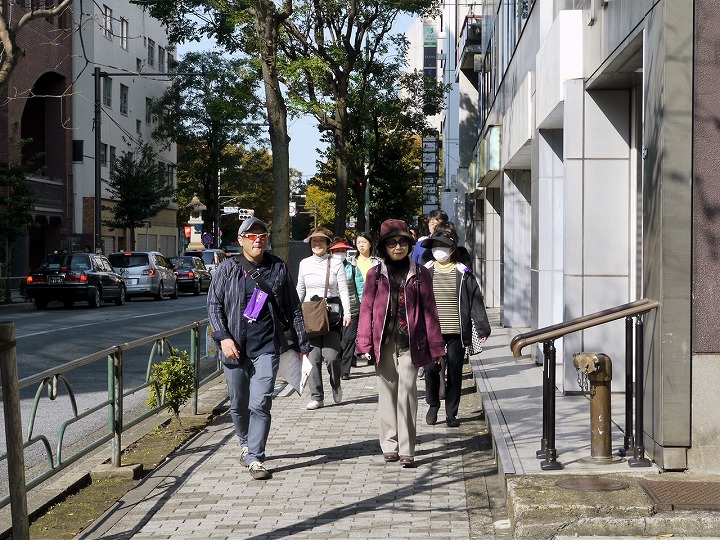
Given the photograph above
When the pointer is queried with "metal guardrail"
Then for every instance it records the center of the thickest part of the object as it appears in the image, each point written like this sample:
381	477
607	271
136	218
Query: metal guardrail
12	289
633	355
57	378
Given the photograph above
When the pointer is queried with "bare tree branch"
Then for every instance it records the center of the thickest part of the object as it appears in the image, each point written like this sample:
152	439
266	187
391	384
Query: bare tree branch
8	37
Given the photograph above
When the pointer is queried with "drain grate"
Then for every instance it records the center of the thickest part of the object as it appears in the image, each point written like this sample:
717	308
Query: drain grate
591	483
671	495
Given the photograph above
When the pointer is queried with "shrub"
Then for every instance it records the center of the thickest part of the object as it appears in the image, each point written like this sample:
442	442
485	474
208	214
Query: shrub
175	378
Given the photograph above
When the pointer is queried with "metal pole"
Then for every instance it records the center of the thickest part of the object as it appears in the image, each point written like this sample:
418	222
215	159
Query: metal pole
639	459
551	462
194	359
8	294
628	440
98	150
13	432
540	454
118	427
367	203
217	214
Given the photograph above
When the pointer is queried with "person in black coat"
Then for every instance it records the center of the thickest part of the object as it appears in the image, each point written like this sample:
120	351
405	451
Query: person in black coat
461	311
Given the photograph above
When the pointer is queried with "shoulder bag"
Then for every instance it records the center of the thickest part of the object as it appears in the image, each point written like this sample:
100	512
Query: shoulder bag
263	286
322	314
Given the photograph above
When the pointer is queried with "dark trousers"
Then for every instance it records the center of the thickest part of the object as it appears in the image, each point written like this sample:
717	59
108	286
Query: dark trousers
348	344
453	377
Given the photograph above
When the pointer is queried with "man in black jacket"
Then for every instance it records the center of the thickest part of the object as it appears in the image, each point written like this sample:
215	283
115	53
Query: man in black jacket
248	325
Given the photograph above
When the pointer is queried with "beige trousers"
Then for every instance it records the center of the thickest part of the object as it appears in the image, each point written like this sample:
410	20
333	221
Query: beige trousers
397	400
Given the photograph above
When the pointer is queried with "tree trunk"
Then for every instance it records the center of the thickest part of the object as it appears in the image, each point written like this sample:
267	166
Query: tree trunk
266	22
131	239
342	174
360	196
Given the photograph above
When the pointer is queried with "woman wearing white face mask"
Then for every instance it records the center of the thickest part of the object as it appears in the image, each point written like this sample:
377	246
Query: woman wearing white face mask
460	304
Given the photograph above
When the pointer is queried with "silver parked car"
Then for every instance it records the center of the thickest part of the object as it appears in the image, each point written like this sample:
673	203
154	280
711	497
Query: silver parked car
146	273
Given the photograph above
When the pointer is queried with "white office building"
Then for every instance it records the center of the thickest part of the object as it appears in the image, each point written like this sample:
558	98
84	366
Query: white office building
130	48
586	135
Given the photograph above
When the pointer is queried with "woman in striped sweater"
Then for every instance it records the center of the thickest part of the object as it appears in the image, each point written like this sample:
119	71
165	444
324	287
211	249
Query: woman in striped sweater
460	305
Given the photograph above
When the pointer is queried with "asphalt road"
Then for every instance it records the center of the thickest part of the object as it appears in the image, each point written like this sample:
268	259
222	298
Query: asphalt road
50	338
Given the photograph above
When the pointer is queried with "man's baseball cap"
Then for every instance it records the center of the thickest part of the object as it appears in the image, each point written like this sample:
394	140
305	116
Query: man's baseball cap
250	223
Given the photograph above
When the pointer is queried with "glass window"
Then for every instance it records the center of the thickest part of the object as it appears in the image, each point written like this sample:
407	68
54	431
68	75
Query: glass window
138	65
151	52
161	59
112	159
107	22
124	28
103	154
148	110
138	127
77	150
107	92
128	260
124	91
170	63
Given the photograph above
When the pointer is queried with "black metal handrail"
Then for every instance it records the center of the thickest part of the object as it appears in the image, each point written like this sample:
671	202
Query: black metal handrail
547	337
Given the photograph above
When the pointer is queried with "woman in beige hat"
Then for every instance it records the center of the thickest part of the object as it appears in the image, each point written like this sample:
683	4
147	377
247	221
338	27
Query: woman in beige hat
315	272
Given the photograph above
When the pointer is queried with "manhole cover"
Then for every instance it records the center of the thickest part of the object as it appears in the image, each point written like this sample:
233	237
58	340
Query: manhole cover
591	483
671	495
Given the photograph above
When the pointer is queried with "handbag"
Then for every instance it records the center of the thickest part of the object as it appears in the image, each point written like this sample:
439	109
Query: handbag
316	312
315	315
335	311
475	343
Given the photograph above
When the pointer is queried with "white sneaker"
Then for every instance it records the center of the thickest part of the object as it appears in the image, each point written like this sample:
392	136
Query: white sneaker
243	452
258	471
315	404
337	394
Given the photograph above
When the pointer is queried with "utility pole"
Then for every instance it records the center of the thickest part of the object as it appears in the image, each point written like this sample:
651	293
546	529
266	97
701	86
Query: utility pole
97	237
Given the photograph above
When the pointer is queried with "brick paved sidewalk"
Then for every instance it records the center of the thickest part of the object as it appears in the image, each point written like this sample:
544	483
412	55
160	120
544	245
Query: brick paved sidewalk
330	480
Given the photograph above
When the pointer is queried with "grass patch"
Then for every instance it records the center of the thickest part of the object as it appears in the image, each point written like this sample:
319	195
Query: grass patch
79	510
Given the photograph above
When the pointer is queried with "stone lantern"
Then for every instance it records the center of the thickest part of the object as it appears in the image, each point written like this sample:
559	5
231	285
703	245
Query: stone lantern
196	209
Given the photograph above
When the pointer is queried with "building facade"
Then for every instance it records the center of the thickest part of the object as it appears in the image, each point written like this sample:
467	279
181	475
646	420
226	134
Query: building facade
131	50
591	183
36	107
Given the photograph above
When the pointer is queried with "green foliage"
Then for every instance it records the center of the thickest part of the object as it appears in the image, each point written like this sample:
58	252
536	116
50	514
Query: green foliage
140	189
209	117
17	198
176	378
322	201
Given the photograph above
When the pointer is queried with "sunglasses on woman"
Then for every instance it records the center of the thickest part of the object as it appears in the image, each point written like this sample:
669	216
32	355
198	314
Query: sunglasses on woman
255	236
403	242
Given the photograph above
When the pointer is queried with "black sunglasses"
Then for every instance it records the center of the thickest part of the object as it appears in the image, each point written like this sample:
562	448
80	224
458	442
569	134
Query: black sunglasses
403	242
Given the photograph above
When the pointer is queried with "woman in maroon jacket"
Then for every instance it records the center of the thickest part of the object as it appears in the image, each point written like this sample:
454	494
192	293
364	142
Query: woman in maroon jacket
399	330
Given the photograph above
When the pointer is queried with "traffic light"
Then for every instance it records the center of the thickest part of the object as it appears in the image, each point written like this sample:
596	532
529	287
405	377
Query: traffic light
244	213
